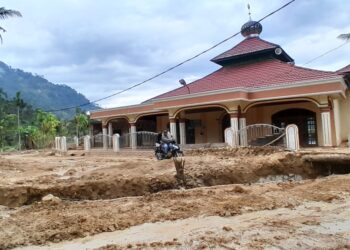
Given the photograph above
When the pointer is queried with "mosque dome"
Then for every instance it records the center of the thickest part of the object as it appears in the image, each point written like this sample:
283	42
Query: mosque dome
251	29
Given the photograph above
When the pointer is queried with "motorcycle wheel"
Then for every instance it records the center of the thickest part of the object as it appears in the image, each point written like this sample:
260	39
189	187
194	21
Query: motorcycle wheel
159	156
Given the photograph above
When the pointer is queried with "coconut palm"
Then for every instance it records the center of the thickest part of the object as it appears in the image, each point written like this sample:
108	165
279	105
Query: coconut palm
345	37
19	104
4	13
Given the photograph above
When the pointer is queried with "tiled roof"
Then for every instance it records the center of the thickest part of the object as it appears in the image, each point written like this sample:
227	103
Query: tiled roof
265	73
247	46
346	69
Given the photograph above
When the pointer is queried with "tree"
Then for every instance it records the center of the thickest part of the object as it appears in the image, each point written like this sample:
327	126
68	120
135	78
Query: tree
345	37
82	123
4	13
6	123
19	104
47	125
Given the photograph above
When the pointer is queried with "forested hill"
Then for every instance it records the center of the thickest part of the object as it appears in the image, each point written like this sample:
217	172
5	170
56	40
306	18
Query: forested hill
39	92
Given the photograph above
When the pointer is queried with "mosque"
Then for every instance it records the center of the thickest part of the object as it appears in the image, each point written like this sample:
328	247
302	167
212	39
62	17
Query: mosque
257	83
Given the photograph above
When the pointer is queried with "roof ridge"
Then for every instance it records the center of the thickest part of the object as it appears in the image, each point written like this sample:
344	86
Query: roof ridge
309	69
274	44
343	68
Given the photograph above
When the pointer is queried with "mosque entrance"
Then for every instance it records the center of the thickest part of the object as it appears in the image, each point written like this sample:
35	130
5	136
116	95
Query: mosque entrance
304	119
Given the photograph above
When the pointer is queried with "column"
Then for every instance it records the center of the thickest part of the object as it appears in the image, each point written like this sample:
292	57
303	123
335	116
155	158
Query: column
182	125
91	133
104	137
173	127
326	126
63	144
57	143
234	127
87	145
337	121
110	134
243	135
116	143
133	136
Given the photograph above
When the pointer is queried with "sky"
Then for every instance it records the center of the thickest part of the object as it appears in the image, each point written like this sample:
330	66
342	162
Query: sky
102	47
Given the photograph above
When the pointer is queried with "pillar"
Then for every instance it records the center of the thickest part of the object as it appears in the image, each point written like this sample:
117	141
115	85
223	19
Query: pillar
243	135
76	141
87	145
110	134
116	143
104	137
173	128
91	133
337	123
182	125
63	144
234	127
133	136
326	126
57	143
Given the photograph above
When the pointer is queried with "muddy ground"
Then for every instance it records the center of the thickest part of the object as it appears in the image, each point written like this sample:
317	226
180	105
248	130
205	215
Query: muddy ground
233	199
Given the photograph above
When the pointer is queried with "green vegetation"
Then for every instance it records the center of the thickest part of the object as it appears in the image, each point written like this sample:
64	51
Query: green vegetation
22	127
40	93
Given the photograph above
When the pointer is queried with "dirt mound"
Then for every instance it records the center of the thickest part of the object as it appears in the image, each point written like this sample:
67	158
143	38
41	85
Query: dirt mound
217	168
70	220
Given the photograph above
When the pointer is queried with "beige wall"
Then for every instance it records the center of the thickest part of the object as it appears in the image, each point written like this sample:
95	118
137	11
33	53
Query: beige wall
162	122
210	129
263	114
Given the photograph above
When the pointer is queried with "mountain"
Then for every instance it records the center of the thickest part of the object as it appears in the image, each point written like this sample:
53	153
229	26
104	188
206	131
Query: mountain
41	93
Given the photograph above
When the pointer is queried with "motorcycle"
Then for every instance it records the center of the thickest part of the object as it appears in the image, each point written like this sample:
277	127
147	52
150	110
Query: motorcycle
174	151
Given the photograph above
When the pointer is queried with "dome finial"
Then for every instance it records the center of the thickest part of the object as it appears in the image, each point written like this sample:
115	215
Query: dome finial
251	28
249	13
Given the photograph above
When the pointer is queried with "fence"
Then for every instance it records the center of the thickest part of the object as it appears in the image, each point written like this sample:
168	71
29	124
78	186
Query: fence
140	140
256	135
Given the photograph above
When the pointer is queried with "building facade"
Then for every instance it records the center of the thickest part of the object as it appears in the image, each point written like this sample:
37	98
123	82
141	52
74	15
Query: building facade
258	83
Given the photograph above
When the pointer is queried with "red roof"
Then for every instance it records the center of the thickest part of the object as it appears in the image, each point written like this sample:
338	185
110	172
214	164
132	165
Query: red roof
344	70
247	46
252	75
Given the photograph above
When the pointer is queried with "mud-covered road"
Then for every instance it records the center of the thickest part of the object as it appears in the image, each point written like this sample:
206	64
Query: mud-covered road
222	206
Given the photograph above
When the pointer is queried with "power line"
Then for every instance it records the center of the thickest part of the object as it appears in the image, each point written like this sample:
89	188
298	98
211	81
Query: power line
171	68
326	53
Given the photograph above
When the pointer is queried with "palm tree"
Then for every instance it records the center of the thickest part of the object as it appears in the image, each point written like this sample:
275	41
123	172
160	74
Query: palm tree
345	37
4	13
19	104
82	123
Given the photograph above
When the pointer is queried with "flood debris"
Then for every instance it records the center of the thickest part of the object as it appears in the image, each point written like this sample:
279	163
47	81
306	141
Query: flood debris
179	163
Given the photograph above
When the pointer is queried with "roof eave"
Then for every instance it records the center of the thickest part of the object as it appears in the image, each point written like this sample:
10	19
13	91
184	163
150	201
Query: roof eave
265	52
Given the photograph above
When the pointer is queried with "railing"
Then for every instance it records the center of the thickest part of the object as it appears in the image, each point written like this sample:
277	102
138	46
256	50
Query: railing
141	139
260	135
101	141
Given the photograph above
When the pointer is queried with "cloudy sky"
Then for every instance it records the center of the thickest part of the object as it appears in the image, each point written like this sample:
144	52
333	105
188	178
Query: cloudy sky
101	47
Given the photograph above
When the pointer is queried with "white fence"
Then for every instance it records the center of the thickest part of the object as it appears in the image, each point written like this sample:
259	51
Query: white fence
263	135
138	140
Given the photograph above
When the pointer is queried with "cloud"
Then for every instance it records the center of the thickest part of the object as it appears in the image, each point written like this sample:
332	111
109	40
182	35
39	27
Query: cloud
101	47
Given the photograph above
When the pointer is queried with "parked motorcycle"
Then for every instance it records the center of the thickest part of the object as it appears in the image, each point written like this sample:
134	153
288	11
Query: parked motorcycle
173	151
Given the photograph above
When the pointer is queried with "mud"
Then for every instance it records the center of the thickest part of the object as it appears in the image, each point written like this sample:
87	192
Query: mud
108	193
70	220
107	177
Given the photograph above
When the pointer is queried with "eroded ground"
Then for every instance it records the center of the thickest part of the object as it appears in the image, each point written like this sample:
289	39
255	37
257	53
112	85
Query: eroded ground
132	201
